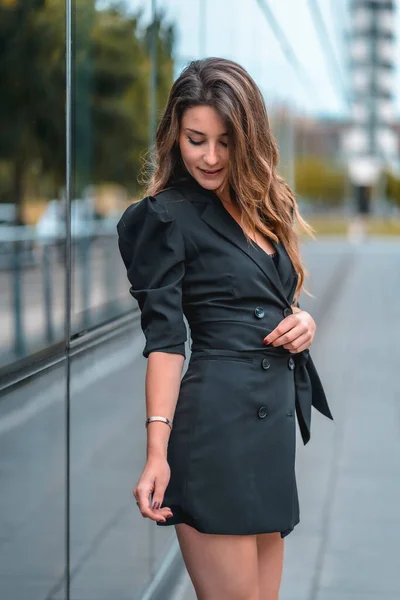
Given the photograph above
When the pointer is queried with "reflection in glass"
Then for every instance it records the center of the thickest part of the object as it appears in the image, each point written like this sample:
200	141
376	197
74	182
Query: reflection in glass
113	549
32	175
33	489
112	546
111	132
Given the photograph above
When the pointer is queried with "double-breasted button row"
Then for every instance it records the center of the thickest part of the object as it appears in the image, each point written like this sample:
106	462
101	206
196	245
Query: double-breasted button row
263	410
265	364
260	313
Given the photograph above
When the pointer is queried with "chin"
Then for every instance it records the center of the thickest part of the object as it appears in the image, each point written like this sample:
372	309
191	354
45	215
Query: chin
211	183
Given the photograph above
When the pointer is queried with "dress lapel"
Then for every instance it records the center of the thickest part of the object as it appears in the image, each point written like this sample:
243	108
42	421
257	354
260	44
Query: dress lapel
225	225
217	217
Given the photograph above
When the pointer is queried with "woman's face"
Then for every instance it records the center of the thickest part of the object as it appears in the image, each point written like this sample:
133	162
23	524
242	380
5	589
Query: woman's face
203	141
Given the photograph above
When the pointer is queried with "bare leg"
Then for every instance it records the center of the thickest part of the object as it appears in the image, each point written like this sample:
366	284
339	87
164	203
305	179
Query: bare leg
270	564
221	567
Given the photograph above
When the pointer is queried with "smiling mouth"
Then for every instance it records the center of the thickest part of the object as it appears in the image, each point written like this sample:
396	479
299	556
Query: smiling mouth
211	172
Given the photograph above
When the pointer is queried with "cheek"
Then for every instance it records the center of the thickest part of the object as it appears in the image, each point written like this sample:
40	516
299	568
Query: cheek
190	154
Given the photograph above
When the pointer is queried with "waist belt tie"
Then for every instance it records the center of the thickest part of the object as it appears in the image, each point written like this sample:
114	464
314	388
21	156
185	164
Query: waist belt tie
308	387
309	392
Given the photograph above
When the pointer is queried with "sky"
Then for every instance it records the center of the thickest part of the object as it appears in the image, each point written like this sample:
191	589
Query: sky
238	29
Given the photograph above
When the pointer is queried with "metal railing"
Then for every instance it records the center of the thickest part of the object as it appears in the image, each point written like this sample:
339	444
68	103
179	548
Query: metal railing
33	283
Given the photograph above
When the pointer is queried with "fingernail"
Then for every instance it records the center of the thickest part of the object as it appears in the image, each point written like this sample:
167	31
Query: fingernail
155	505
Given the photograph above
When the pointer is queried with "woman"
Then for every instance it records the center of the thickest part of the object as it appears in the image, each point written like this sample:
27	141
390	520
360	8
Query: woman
214	240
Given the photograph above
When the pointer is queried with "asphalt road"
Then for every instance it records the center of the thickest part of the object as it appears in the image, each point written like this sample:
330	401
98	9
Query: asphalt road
346	546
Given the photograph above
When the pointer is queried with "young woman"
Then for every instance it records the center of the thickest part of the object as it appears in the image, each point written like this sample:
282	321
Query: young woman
214	240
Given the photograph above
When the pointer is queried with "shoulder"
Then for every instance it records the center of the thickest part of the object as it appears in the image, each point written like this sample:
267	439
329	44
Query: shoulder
165	207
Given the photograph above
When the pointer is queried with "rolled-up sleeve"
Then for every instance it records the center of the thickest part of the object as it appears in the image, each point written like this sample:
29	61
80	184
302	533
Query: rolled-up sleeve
153	251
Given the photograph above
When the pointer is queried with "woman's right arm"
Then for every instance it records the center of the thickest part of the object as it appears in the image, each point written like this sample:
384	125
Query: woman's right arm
163	378
153	250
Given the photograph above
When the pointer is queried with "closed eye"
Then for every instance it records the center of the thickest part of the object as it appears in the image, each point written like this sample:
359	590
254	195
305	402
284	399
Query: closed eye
193	142
224	144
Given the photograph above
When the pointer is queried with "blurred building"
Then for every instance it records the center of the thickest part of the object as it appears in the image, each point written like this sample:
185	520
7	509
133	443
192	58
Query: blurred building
371	143
320	137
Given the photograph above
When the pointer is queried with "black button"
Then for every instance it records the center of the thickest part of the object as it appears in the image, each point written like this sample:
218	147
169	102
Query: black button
289	414
287	311
291	363
259	312
262	412
265	363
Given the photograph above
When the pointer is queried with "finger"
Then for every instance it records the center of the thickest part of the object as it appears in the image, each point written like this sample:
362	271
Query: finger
147	510
158	494
304	347
143	502
285	325
158	497
166	512
299	344
290	336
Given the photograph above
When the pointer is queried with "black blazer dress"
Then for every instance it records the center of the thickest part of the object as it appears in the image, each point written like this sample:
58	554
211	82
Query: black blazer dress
232	446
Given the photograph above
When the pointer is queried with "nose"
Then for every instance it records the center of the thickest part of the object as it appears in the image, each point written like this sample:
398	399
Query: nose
211	157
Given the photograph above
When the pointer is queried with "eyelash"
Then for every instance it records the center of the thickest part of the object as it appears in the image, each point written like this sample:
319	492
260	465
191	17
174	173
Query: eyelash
199	143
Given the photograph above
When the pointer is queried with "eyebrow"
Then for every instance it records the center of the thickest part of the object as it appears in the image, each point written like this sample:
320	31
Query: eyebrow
200	132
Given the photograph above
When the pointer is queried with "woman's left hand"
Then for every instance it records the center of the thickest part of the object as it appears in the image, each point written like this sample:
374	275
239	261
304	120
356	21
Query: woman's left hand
295	332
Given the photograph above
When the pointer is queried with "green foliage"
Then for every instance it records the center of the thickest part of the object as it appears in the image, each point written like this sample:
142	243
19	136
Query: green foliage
111	83
318	181
392	188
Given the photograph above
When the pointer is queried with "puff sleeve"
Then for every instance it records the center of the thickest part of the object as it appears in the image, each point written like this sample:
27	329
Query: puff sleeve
153	251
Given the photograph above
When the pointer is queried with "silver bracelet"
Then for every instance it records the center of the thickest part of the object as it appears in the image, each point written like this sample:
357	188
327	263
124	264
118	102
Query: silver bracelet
163	419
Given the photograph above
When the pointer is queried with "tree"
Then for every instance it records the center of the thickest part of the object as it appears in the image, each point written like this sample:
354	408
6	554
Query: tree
32	90
318	181
111	71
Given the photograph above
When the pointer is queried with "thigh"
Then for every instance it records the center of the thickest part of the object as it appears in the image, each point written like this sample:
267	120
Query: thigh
270	547
220	566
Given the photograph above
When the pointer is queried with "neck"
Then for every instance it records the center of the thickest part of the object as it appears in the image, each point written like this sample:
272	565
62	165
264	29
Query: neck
225	196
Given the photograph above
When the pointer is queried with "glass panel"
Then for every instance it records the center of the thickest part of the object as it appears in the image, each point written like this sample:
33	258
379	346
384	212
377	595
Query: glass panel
111	130
32	483
112	551
32	176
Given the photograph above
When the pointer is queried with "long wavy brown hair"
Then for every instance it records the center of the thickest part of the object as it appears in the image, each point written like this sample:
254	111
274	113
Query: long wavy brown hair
266	201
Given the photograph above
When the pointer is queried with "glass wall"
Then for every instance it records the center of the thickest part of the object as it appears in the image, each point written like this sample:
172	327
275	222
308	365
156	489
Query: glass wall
33	420
32	173
72	440
33	478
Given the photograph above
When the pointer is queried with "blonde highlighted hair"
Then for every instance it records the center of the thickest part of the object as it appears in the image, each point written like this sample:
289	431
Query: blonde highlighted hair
266	201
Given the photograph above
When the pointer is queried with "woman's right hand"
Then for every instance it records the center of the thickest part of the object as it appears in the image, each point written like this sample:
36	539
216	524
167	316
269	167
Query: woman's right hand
153	481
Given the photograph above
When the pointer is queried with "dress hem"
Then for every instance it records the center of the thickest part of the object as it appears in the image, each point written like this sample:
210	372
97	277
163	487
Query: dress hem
176	520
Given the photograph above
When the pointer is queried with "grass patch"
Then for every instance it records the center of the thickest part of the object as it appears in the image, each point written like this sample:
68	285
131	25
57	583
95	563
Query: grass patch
374	226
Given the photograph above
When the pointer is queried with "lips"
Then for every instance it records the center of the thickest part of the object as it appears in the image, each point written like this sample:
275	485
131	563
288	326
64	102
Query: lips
211	172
